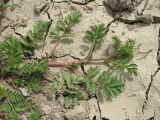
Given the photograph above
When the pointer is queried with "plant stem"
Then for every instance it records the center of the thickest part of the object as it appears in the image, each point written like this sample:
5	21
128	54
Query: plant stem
100	59
56	45
82	61
65	63
89	56
54	49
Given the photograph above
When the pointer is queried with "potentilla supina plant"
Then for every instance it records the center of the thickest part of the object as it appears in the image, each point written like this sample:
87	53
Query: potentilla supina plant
20	68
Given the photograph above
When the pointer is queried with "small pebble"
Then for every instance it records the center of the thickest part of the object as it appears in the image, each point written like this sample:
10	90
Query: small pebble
111	50
24	92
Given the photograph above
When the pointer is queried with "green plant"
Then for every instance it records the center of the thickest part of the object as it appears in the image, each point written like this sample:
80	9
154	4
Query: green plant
123	56
36	114
12	59
13	103
2	5
75	87
105	86
25	73
63	28
95	36
20	68
34	37
37	34
70	87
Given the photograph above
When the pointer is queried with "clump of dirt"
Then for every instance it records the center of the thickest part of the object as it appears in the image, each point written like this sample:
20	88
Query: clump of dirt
123	4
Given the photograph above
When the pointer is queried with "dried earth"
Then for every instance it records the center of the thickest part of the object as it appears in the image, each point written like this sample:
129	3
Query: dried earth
141	23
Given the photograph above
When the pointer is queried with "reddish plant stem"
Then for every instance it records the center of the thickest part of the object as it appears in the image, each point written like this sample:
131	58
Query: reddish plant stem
82	61
65	63
47	78
54	49
56	45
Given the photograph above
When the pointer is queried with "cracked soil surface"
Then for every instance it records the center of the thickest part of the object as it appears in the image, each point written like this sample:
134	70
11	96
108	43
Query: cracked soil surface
141	98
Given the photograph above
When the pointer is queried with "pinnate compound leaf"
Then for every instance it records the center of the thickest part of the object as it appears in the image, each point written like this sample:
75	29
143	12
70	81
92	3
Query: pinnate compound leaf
5	107
96	33
21	106
124	55
12	64
36	114
14	96
108	87
69	21
37	34
11	47
64	26
34	84
70	101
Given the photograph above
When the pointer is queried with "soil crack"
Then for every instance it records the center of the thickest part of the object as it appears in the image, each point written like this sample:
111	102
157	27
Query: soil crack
81	3
75	2
99	108
49	26
153	75
144	8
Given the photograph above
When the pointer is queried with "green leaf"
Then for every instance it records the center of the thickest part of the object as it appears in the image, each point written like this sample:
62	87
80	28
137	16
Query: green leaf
119	65
125	52
34	84
36	114
28	47
21	106
35	67
68	36
13	64
11	47
18	81
73	79
63	27
58	85
108	87
2	5
2	91
14	96
96	34
69	20
13	115
37	34
14	104
5	107
70	101
91	86
70	86
132	69
11	53
124	55
117	42
103	78
92	71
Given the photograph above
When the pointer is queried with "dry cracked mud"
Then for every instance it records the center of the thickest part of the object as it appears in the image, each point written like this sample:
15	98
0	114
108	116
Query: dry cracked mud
141	98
